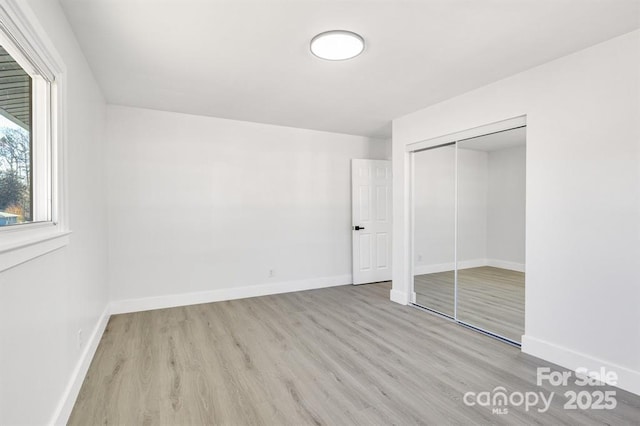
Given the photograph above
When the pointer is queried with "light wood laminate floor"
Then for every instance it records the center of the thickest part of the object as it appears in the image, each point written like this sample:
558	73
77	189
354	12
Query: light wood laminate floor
336	356
489	298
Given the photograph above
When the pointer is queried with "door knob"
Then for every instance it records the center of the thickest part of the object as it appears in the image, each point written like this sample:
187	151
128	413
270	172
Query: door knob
358	228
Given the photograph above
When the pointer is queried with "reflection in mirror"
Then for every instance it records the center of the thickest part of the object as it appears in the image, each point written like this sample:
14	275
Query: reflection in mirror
491	232
434	228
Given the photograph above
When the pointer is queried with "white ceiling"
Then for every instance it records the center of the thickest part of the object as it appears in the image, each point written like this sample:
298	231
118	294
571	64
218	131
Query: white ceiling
250	60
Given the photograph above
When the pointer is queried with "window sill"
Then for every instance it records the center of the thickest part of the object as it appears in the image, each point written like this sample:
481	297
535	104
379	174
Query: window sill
23	245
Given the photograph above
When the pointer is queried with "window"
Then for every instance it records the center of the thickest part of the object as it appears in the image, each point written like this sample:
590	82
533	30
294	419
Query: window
31	178
16	177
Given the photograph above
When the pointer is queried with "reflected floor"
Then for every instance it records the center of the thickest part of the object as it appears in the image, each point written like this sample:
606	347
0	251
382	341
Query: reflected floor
435	291
489	298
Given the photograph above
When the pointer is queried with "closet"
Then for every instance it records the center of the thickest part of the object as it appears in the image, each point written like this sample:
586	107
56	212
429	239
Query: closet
468	230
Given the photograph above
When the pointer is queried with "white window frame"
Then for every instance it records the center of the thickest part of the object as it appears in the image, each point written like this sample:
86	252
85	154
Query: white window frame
50	231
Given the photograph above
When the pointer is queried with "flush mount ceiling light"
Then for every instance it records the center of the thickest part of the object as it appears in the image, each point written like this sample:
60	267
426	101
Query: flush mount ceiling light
337	45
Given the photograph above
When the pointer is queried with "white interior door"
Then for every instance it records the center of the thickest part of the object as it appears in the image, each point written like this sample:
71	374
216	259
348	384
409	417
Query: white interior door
371	220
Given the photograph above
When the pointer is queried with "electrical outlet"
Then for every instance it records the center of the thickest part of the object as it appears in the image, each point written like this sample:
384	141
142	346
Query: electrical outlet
272	273
80	339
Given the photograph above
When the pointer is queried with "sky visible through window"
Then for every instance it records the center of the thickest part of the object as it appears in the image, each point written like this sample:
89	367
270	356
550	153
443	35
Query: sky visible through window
8	123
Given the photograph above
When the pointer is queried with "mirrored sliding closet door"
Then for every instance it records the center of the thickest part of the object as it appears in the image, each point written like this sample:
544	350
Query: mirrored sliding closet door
469	231
491	220
434	172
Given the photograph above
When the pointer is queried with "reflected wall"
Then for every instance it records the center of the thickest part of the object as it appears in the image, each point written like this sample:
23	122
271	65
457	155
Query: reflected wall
434	228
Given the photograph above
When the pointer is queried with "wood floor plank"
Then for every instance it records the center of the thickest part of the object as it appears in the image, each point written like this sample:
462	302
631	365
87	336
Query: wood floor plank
336	356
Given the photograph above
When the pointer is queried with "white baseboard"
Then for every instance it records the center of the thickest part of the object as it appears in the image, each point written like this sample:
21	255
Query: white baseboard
185	299
505	264
399	297
473	263
63	410
628	379
465	264
450	266
432	269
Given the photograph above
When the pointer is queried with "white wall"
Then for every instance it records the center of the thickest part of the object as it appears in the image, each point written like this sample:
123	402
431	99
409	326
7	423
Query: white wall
491	208
583	200
434	203
434	210
472	208
44	302
506	201
204	204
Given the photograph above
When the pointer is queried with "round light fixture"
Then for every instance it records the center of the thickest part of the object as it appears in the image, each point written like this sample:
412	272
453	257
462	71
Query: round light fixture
337	45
